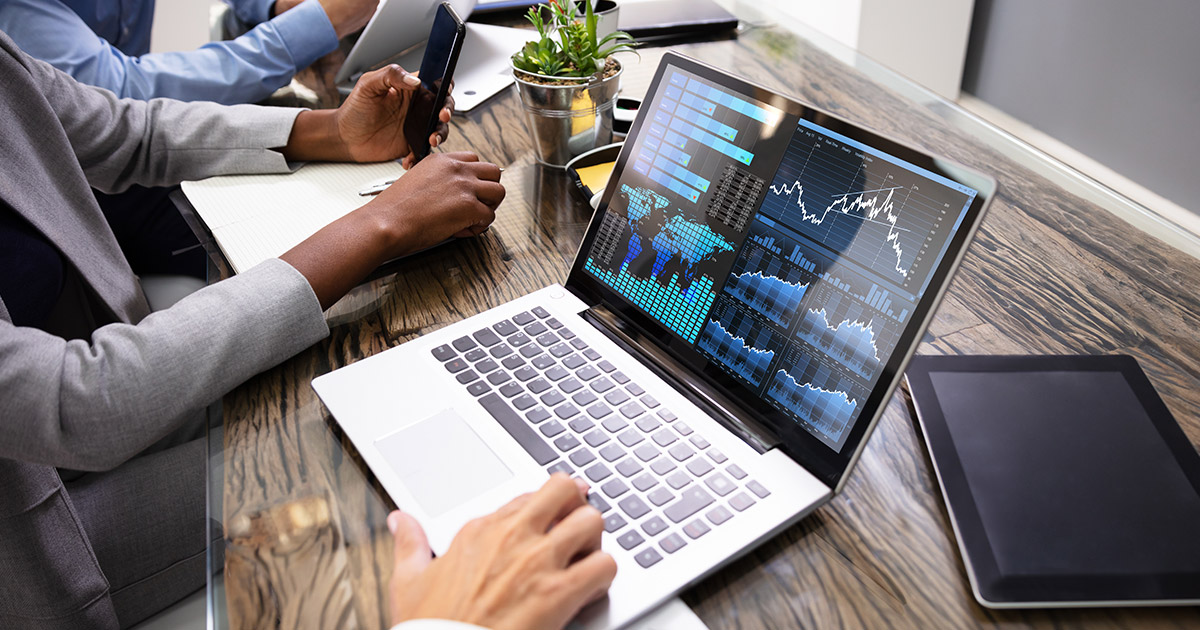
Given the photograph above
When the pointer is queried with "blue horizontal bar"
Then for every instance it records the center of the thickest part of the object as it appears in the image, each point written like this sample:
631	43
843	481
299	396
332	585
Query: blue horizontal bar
738	105
691	131
679	79
662	118
646	155
676	139
706	123
675	154
653	144
657	130
695	102
674	185
668	105
641	167
673	92
680	173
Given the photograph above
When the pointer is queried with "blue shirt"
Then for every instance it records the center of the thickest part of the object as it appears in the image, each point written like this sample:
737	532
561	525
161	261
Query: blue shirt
106	43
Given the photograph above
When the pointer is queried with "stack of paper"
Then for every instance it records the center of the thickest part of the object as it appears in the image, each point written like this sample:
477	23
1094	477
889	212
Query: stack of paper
256	217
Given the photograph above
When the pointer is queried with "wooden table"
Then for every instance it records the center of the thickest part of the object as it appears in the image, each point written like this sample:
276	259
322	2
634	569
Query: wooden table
1052	271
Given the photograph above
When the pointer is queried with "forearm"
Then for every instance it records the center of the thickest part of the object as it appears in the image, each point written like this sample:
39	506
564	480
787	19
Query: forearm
315	138
340	255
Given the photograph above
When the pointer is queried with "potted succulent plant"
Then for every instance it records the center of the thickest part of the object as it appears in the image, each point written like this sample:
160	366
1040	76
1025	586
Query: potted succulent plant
568	80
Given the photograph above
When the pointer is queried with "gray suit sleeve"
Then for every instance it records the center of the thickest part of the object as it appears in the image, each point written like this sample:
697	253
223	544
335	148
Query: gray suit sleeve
121	142
92	404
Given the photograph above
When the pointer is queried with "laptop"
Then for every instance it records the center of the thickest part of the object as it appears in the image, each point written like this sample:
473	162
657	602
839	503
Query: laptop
739	312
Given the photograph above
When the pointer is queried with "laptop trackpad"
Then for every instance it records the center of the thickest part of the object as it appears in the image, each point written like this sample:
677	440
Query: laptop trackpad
442	462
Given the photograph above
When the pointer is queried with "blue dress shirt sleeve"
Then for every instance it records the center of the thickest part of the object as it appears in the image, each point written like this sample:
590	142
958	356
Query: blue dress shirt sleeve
243	70
252	11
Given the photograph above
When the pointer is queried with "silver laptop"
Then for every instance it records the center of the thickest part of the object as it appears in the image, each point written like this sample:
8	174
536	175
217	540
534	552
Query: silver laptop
739	313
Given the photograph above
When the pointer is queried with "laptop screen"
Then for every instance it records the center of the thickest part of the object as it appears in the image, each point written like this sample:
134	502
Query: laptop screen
787	256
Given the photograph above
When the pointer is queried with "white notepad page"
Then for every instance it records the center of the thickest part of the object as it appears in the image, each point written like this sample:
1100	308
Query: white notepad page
256	217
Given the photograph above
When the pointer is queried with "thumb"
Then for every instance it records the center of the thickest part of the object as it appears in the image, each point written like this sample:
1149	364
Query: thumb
399	78
412	552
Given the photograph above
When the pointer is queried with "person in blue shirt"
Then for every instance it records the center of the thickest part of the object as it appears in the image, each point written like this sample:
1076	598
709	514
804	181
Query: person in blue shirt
106	43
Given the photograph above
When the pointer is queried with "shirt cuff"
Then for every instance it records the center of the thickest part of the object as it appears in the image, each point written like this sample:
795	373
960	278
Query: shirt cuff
307	33
253	12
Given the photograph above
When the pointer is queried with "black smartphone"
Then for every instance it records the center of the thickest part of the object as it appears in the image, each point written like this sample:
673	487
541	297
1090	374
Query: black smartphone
437	72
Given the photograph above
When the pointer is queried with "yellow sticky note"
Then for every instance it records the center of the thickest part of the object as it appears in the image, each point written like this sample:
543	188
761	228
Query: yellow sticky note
596	176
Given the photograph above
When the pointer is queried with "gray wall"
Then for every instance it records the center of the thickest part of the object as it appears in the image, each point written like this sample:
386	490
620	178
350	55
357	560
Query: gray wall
1119	80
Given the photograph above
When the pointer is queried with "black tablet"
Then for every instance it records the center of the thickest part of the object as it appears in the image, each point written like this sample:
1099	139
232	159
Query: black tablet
1067	481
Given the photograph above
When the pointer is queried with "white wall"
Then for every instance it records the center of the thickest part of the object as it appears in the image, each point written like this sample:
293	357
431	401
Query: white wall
179	25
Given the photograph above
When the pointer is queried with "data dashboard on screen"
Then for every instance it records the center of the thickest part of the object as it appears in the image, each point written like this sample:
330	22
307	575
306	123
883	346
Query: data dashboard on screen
790	256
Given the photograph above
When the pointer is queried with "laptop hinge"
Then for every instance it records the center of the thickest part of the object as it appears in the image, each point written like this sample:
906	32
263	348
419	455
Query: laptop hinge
717	405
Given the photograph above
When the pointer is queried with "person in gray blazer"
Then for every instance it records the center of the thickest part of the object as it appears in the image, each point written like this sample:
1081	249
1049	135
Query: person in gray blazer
91	381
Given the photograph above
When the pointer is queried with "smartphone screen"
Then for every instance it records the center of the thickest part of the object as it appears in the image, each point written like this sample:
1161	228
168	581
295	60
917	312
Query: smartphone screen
437	70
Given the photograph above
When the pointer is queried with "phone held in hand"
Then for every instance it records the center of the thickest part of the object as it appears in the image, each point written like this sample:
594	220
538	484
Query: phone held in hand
437	72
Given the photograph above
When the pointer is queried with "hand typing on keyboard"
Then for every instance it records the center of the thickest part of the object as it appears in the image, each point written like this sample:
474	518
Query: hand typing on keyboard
532	564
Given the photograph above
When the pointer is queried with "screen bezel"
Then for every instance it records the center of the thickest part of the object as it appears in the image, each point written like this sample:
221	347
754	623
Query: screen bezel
418	142
828	465
990	585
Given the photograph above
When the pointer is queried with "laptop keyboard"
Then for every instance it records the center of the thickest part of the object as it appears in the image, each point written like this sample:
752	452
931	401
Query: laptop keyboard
657	482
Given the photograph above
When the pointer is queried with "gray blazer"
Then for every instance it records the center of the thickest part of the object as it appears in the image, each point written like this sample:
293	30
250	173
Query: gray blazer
92	404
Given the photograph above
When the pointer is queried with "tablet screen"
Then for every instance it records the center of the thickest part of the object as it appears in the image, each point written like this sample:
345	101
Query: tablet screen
1069	474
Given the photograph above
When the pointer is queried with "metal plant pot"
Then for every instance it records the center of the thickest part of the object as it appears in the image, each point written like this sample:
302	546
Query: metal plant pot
566	120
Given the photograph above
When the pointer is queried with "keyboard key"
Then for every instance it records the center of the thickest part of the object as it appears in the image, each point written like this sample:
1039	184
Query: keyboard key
650	401
554	323
654	526
566	442
660	496
598	410
486	337
498	377
664	438
543	361
566	333
560	467
455	366
720	484
592	355
598	502
648	557
566	410
538	449
634	507
736	471
699	442
522	318
501	351
630	539
444	352
574	361
691	501
667	415
614	488
606	366
632	410
505	328
620	377
479	388
679	479
631	438
614	424
513	362
629	467
717	456
518	340
588	373
696	529
557	373
648	423
616	397
486	366
579	344
466	377
598	472
570	386
645	452
552	398
582	457
683	429
613	522
510	389
699	467
561	350
584	398
581	425
612	452
681	452
463	343
644	482
741	501
538	415
530	350
535	329
523	402
476	354
547	339
663	466
635	389
672	543
595	438
758	489
552	428
525	373
718	515
601	385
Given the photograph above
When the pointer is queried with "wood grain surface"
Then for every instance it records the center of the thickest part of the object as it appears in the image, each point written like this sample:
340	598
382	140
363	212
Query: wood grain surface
306	543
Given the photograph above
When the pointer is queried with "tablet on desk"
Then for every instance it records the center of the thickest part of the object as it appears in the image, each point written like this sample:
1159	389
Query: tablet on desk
1067	481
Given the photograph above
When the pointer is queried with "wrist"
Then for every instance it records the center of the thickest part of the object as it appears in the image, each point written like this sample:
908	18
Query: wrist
315	137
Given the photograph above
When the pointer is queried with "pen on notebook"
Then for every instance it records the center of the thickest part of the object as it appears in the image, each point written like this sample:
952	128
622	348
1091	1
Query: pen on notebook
375	189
